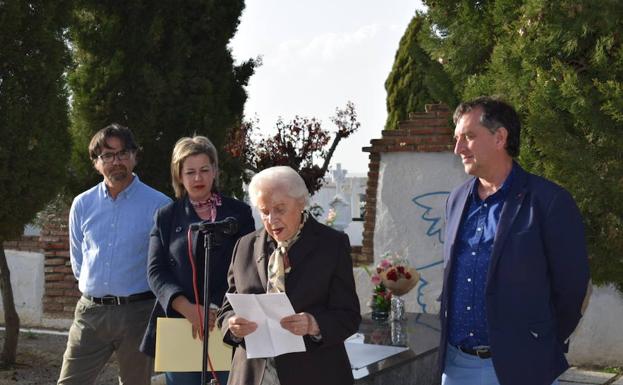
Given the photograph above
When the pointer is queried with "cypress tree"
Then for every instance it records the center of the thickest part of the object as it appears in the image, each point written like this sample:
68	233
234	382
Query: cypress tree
34	150
415	79
164	70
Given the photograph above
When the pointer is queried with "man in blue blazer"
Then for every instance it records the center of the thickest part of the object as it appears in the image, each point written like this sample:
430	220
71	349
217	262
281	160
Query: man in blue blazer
516	266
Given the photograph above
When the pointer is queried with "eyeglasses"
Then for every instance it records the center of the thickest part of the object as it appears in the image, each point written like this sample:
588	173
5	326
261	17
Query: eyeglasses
109	157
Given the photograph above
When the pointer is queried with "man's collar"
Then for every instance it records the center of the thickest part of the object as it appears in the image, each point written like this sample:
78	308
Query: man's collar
502	192
126	192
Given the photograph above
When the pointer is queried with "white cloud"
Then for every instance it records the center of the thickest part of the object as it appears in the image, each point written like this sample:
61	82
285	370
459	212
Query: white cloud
317	58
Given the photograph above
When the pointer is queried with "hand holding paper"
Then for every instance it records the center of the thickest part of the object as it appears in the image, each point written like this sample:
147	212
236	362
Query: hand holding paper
241	327
300	324
270	339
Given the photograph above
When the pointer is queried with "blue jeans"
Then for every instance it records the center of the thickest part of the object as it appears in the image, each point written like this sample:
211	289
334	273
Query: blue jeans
464	369
193	378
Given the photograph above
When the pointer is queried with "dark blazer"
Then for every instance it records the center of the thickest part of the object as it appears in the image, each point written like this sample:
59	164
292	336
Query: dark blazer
169	270
320	283
537	278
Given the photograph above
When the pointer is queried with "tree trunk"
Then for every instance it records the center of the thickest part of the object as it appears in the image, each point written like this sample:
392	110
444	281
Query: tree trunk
11	319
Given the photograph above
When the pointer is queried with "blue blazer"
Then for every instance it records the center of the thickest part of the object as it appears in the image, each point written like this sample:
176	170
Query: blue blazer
169	270
537	279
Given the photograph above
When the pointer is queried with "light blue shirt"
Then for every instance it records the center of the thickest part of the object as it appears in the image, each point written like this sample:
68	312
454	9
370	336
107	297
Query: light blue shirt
109	238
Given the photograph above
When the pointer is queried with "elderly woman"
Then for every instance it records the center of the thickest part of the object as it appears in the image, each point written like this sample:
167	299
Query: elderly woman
172	272
308	261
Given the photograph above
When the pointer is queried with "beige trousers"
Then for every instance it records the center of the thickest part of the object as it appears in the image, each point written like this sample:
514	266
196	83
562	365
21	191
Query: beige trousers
99	330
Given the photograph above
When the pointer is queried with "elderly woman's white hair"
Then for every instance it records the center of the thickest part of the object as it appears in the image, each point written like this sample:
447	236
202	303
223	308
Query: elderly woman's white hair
278	178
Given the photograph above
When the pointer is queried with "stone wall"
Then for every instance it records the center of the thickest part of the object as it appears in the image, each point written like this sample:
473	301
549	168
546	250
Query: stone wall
26	269
412	171
424	132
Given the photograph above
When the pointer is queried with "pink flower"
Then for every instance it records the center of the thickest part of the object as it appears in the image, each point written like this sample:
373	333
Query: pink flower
375	279
384	264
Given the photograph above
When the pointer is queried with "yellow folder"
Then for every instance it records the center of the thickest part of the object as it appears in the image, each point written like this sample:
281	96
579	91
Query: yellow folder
178	351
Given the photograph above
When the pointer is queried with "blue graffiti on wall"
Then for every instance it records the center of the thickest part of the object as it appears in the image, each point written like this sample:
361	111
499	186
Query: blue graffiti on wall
433	206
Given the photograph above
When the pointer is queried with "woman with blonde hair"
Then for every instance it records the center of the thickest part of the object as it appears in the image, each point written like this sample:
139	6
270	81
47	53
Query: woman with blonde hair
176	276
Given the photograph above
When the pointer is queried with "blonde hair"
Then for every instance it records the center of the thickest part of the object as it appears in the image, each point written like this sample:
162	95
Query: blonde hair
184	148
281	178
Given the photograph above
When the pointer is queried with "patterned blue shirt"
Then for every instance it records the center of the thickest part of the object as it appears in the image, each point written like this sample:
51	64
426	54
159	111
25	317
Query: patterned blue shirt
109	238
467	316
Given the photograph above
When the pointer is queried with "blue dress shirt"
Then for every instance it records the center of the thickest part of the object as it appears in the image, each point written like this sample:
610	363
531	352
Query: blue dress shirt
467	316
109	238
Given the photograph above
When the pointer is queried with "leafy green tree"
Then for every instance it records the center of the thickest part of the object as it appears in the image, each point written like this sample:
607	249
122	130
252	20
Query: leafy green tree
566	76
163	69
416	79
560	63
34	150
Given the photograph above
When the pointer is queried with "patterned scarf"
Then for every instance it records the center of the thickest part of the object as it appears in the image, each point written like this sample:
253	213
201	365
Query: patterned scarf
207	209
277	268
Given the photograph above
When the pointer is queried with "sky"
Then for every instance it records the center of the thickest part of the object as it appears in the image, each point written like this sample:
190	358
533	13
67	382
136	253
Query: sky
318	55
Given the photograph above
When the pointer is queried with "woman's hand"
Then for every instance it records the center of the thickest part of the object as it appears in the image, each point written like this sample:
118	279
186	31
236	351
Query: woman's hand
241	327
301	324
189	311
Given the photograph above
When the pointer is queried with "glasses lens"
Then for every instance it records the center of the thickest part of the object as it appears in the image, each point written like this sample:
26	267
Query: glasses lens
107	157
110	156
123	155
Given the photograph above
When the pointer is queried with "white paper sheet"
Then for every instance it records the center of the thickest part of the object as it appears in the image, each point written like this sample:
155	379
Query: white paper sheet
361	355
270	339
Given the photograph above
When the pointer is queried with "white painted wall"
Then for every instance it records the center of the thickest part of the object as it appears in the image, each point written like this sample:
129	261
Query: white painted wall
411	198
27	280
598	340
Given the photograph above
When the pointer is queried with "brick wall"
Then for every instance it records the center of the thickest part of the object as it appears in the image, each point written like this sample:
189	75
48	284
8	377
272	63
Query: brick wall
427	131
61	288
25	243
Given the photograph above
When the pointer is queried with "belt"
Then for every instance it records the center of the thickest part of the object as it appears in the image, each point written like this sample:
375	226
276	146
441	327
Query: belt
480	352
114	300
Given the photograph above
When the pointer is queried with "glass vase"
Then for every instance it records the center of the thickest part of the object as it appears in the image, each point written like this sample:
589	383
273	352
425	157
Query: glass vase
398	312
379	315
399	333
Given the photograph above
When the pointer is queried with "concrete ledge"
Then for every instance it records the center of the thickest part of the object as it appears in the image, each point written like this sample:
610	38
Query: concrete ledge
576	376
619	381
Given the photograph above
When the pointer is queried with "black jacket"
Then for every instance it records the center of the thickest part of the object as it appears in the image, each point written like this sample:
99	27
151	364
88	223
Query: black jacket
169	269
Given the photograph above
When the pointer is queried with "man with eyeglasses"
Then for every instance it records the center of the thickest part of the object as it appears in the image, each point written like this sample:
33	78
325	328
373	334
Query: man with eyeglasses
109	227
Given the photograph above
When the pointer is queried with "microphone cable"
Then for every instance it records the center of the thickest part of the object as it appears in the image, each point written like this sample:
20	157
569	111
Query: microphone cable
196	292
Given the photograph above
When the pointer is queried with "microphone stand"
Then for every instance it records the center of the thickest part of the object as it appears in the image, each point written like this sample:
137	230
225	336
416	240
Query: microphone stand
209	230
208	242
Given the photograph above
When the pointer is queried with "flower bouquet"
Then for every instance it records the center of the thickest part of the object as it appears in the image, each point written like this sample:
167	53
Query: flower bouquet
396	275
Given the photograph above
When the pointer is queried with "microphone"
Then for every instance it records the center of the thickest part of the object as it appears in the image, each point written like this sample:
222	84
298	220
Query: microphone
227	226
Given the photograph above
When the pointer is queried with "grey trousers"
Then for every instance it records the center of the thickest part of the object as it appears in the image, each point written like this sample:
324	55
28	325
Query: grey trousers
99	330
